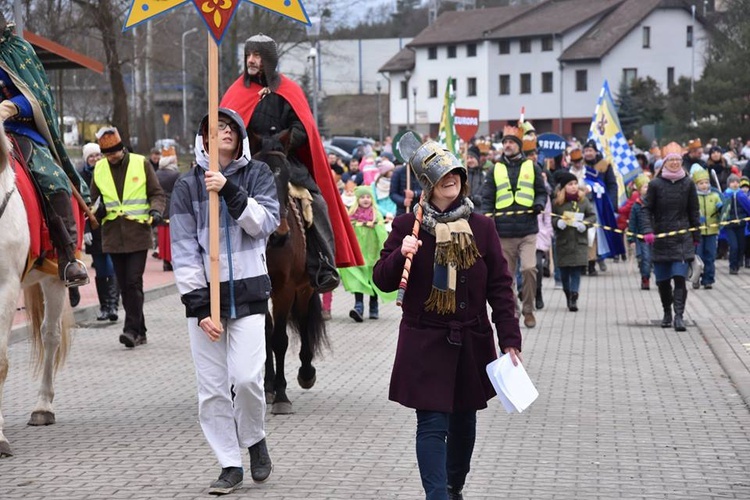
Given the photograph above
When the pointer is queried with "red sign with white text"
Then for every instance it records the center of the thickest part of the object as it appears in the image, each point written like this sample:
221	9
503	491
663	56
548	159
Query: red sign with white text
466	122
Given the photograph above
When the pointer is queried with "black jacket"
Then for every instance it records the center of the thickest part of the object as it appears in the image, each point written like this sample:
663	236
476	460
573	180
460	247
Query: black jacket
398	186
671	206
514	226
476	182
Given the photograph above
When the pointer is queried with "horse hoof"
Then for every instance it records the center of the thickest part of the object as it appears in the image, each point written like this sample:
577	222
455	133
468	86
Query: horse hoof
270	398
282	408
306	383
5	450
42	418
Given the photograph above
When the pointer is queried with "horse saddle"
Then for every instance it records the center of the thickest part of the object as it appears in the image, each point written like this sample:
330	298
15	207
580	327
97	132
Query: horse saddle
305	198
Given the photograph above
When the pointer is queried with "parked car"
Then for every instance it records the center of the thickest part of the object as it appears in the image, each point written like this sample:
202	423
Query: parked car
331	149
350	144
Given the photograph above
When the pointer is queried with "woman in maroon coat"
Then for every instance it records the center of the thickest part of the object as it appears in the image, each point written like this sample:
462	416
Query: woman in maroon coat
446	338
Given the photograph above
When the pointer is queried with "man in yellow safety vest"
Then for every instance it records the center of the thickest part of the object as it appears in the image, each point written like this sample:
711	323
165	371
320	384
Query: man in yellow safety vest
134	201
514	194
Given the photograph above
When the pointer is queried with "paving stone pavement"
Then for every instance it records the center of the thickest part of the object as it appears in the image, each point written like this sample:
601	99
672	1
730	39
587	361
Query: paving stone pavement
626	410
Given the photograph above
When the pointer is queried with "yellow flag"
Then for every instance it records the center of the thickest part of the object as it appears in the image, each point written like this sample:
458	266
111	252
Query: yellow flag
292	9
142	10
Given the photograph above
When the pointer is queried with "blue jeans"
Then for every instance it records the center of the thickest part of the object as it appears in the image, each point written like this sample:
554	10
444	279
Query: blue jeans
103	265
445	443
643	254
707	252
736	238
556	274
571	278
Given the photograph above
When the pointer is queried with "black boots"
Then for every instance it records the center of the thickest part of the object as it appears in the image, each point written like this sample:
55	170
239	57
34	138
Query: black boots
680	297
572	300
374	309
539	299
260	462
63	231
665	294
321	263
592	268
359	308
108	293
229	480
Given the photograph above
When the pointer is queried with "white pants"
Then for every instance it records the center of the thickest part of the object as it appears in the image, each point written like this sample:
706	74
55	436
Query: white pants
235	362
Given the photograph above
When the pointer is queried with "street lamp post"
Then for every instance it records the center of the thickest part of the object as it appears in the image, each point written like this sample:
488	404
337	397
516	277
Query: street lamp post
184	86
380	114
312	57
407	77
414	91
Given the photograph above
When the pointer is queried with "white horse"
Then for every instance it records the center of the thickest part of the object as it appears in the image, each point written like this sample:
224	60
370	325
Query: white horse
45	299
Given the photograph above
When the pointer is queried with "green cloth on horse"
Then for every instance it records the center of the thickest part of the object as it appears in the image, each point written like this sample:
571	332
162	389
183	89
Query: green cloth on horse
18	59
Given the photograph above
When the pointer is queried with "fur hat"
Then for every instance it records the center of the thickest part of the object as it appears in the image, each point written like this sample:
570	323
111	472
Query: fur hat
513	133
591	143
90	148
700	175
564	178
576	155
109	140
269	54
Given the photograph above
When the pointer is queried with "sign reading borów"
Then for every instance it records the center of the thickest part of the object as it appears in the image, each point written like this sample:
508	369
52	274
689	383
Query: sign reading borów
467	123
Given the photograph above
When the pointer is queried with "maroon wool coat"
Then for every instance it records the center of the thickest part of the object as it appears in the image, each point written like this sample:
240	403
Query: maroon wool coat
429	372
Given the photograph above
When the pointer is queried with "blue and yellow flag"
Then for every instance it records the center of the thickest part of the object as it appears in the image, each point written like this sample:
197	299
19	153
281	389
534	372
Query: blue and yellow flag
447	135
607	133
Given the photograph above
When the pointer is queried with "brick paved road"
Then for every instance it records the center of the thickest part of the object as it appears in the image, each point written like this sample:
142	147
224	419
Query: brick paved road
627	410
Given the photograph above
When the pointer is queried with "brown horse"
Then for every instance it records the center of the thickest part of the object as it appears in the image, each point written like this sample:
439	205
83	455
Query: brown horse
294	301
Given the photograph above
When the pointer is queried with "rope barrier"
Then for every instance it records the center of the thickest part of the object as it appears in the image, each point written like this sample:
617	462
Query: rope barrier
623	231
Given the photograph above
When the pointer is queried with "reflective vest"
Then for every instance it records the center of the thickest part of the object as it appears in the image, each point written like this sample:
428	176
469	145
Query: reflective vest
524	194
134	204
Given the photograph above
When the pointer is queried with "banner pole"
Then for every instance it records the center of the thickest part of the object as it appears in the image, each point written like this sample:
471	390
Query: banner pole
213	166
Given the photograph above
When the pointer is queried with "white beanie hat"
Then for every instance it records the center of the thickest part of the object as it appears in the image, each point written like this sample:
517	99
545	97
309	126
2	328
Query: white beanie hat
89	149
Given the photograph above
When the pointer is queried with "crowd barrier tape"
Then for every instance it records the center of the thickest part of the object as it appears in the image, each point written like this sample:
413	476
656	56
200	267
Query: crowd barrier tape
623	231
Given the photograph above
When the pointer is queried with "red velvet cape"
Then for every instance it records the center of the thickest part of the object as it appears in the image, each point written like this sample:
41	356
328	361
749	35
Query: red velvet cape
243	100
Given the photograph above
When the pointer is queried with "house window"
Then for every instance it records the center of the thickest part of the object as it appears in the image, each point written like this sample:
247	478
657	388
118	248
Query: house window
471	50
646	37
404	89
504	47
451	51
504	84
432	84
670	77
471	87
629	74
525	45
453	84
547	82
689	36
526	83
546	43
582	80
432	53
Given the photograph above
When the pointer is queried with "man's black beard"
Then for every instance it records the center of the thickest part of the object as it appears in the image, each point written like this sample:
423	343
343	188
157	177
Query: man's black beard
258	78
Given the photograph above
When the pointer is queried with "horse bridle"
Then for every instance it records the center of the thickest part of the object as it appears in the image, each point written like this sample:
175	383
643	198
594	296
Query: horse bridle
6	199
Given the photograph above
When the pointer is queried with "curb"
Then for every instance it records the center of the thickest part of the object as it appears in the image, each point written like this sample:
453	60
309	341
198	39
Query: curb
729	359
88	313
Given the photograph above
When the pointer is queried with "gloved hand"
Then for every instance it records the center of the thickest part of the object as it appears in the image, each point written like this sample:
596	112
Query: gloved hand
7	110
561	224
580	226
649	238
538	209
156	218
88	239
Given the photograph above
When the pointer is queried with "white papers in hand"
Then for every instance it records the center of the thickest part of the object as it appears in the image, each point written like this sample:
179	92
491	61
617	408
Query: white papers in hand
512	384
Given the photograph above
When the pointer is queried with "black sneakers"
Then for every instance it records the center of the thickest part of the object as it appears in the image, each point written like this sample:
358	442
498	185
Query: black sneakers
260	462
229	480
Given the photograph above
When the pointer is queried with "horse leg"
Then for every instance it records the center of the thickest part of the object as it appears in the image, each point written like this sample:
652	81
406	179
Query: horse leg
309	311
281	403
9	291
51	331
270	373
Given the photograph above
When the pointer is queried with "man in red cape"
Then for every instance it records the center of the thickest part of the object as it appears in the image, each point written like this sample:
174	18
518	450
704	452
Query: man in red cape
270	103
